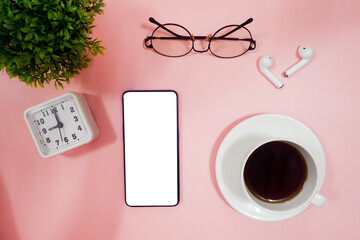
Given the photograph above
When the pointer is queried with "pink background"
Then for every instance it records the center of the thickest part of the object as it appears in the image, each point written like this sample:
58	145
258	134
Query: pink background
80	194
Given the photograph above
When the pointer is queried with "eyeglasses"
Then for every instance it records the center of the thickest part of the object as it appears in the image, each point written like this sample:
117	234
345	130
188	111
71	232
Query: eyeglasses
173	40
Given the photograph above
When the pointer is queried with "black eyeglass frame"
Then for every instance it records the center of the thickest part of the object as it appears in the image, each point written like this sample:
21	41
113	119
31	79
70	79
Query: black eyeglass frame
208	38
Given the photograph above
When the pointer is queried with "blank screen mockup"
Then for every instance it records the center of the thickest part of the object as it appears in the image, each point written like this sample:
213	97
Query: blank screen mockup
151	148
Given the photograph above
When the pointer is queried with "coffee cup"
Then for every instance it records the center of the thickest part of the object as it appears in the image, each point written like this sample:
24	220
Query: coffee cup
280	175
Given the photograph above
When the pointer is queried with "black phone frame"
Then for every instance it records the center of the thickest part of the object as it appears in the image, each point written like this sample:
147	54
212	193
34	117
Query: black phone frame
178	149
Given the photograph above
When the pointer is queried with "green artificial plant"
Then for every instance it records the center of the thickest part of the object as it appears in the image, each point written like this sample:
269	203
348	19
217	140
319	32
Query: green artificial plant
43	41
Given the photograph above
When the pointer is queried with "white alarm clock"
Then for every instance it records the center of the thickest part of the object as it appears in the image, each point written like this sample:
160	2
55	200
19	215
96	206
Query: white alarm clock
61	124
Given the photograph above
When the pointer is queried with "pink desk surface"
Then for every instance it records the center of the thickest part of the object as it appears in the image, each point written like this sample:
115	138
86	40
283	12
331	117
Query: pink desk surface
80	195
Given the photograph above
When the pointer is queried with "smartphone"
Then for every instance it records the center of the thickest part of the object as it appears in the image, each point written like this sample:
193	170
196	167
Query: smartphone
151	148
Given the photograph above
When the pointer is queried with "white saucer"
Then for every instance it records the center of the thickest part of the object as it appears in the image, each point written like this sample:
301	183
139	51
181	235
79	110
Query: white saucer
235	146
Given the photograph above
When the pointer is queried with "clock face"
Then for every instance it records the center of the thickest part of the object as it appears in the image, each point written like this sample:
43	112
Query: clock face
57	125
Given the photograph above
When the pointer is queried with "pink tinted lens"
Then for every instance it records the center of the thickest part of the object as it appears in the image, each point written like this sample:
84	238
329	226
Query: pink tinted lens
228	45
171	40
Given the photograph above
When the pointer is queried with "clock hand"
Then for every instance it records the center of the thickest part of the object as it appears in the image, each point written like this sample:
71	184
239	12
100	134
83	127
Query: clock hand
56	117
58	123
61	135
52	128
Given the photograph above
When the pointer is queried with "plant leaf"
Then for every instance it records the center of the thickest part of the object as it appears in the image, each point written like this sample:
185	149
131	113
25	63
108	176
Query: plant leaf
47	41
29	36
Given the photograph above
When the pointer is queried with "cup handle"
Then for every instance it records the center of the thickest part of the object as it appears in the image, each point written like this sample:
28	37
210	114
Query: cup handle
319	200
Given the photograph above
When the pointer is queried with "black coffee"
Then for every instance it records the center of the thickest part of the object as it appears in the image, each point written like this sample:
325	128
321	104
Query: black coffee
275	172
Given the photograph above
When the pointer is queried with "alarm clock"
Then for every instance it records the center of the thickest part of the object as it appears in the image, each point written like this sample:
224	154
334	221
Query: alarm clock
61	124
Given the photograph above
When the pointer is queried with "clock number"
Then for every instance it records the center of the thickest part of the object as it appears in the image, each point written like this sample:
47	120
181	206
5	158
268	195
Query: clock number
66	139
47	113
44	130
62	107
79	128
54	110
74	136
72	109
41	121
57	142
76	118
48	140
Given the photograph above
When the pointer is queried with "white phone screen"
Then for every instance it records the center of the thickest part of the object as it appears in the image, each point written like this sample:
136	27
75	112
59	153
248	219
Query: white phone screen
151	148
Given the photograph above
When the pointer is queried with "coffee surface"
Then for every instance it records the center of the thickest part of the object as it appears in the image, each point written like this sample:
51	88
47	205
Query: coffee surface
275	172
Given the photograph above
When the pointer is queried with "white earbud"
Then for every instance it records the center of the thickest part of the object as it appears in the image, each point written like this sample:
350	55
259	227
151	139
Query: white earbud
305	53
266	62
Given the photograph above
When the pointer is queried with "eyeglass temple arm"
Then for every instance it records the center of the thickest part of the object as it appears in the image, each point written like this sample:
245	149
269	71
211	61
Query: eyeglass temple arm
253	42
152	20
238	27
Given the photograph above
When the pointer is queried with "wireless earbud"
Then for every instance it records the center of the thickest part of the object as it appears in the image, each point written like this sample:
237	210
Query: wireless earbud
305	53
266	62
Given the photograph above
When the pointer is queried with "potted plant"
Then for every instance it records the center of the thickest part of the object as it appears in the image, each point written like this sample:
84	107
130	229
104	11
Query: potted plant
47	41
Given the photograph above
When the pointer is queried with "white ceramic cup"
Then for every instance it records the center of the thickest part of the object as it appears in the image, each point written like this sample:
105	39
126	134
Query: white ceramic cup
309	193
